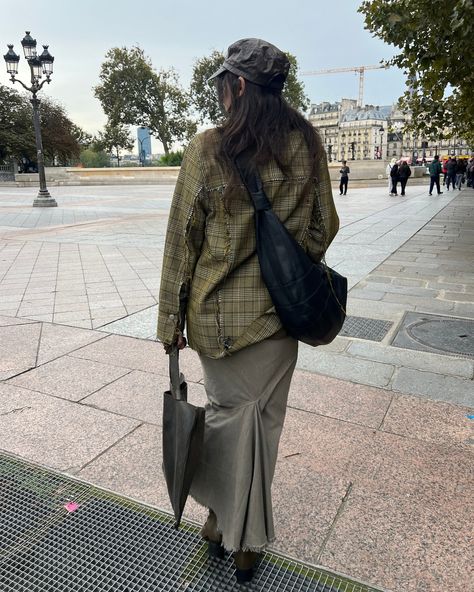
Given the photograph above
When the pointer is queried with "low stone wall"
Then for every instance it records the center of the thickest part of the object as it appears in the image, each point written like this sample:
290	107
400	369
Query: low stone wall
366	170
361	171
102	176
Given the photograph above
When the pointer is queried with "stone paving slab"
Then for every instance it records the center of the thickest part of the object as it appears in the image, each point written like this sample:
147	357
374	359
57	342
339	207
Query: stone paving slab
18	348
447	365
409	544
434	386
69	378
57	340
344	366
339	399
139	395
421	419
54	432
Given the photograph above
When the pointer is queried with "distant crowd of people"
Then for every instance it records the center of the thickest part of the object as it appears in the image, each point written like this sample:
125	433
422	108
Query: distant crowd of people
456	171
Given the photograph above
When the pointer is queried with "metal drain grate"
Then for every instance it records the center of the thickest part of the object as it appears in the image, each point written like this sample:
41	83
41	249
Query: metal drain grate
108	543
365	328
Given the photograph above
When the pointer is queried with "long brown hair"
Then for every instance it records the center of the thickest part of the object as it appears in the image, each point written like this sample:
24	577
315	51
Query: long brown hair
259	122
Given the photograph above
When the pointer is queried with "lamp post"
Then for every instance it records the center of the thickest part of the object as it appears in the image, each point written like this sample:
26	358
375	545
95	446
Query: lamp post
414	158
39	65
353	150
381	130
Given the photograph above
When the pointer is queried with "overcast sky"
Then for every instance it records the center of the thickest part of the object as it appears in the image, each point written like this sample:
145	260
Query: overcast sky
321	34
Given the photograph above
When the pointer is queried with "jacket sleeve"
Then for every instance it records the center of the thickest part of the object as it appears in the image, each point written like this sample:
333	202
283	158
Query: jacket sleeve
184	237
324	222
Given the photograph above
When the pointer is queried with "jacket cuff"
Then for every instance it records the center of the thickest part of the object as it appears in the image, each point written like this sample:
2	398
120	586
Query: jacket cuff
168	327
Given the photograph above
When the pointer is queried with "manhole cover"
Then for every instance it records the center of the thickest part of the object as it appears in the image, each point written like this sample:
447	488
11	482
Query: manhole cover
58	534
365	328
437	334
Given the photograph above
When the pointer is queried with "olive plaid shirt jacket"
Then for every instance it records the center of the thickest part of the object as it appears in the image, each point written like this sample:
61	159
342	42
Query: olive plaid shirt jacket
210	249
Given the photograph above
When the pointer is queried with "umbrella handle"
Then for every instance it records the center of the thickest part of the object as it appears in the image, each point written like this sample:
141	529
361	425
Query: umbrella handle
175	376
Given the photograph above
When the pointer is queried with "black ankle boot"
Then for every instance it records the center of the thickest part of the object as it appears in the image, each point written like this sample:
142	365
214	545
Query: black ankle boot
245	562
210	534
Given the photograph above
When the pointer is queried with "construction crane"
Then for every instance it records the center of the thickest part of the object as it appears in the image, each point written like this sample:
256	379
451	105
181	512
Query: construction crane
357	69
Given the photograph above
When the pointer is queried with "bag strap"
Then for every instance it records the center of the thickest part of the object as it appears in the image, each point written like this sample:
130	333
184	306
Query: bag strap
253	182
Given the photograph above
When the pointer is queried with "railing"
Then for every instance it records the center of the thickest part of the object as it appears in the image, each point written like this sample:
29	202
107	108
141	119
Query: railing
7	172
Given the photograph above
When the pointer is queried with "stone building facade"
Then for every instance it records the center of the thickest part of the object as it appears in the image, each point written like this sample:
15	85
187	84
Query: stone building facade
373	132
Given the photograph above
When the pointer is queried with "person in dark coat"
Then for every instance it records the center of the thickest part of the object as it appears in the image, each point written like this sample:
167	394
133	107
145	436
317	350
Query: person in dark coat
404	172
394	174
345	170
451	167
435	172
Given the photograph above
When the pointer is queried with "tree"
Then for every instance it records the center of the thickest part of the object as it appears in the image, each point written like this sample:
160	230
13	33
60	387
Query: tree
17	138
16	127
91	158
83	138
203	93
60	144
172	159
204	97
133	93
293	91
113	139
436	43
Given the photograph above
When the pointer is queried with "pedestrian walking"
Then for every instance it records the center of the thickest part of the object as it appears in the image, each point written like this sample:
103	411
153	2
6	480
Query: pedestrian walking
394	175
444	170
210	262
460	173
435	171
387	171
345	170
451	167
404	173
470	173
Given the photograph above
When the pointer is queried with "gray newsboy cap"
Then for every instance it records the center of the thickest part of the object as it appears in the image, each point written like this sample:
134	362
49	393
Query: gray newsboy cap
258	61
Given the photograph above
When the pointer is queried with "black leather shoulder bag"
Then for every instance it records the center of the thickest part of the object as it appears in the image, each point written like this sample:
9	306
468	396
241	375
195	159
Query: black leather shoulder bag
309	298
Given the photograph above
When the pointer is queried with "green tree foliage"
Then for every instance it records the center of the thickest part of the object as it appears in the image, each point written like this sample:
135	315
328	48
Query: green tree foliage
60	144
293	91
436	43
203	93
17	138
133	93
113	139
172	159
204	97
83	138
16	126
96	159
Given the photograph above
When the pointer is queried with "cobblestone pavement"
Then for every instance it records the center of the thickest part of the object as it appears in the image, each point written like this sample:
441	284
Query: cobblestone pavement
95	261
374	474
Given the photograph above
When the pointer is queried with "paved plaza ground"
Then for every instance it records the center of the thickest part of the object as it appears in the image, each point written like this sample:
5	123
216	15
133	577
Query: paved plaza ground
375	470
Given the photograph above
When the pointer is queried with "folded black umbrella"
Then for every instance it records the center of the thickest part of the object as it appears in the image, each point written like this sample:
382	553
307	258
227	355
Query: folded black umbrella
183	437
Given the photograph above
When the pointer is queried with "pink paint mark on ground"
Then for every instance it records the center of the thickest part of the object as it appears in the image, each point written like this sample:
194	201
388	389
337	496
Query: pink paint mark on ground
71	506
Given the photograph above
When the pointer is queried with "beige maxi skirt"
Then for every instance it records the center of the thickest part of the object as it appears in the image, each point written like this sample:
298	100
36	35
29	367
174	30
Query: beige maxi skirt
247	394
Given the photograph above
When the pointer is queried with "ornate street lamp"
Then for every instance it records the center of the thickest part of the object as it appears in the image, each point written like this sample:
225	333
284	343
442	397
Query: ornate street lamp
39	65
381	130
